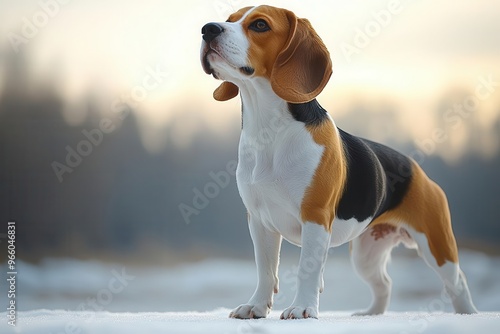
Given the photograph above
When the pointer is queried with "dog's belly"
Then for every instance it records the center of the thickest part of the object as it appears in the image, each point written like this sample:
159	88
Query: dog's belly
268	206
346	230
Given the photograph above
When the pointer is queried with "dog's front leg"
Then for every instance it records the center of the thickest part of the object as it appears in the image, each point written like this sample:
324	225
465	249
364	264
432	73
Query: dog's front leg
267	246
315	242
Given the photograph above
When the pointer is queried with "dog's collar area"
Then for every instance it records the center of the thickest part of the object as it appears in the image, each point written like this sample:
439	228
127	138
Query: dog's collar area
309	113
247	70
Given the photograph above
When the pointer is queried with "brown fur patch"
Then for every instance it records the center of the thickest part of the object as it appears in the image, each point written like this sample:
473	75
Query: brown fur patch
266	46
425	209
236	16
323	195
291	55
382	230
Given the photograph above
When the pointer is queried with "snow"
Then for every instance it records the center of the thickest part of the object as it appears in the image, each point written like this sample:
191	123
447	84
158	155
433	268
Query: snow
71	296
47	321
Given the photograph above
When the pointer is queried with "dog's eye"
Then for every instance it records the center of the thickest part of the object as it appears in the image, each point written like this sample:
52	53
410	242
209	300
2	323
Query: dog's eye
259	26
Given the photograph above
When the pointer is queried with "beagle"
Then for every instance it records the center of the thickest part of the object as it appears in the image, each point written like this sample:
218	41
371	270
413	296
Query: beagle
303	179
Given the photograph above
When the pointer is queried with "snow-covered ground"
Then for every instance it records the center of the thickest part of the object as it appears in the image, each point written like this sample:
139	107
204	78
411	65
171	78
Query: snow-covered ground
69	296
216	322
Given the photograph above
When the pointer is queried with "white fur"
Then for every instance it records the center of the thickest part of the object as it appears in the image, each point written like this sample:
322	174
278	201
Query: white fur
231	50
267	248
276	163
315	241
450	273
346	230
370	258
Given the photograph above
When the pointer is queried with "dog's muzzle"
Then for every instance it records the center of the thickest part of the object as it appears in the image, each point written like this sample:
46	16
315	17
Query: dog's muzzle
210	31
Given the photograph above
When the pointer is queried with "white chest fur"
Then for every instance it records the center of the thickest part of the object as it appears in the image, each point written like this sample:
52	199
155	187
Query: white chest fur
278	158
273	176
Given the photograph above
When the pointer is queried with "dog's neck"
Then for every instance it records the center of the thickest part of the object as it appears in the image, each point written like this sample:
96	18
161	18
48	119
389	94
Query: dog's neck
261	106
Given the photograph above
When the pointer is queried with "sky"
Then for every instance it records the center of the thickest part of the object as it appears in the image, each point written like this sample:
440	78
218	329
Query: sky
409	53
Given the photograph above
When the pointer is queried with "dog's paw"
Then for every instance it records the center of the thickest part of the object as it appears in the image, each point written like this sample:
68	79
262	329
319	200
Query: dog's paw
250	311
299	312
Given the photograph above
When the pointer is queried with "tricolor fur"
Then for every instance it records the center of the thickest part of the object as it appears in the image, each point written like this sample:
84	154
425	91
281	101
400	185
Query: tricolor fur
312	183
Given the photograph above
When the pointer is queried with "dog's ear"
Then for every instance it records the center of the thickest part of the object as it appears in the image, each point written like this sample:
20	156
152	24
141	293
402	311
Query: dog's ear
302	69
226	91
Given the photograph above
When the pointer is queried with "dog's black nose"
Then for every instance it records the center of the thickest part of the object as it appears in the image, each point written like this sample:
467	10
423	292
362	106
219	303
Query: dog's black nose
210	31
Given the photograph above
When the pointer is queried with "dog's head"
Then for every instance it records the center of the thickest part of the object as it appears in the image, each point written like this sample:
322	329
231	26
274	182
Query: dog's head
266	42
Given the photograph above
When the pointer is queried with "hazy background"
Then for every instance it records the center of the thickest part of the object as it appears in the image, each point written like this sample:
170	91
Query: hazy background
64	73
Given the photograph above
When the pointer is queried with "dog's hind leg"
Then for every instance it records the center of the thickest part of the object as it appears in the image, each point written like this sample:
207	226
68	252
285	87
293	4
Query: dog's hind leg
370	253
425	215
429	224
450	273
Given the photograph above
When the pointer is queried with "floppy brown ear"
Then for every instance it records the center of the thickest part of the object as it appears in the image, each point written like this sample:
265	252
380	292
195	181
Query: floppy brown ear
226	91
303	68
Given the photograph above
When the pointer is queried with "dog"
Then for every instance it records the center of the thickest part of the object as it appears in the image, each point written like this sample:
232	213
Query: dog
310	182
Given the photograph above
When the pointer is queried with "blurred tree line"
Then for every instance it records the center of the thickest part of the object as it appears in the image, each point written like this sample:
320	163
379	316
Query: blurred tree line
120	199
